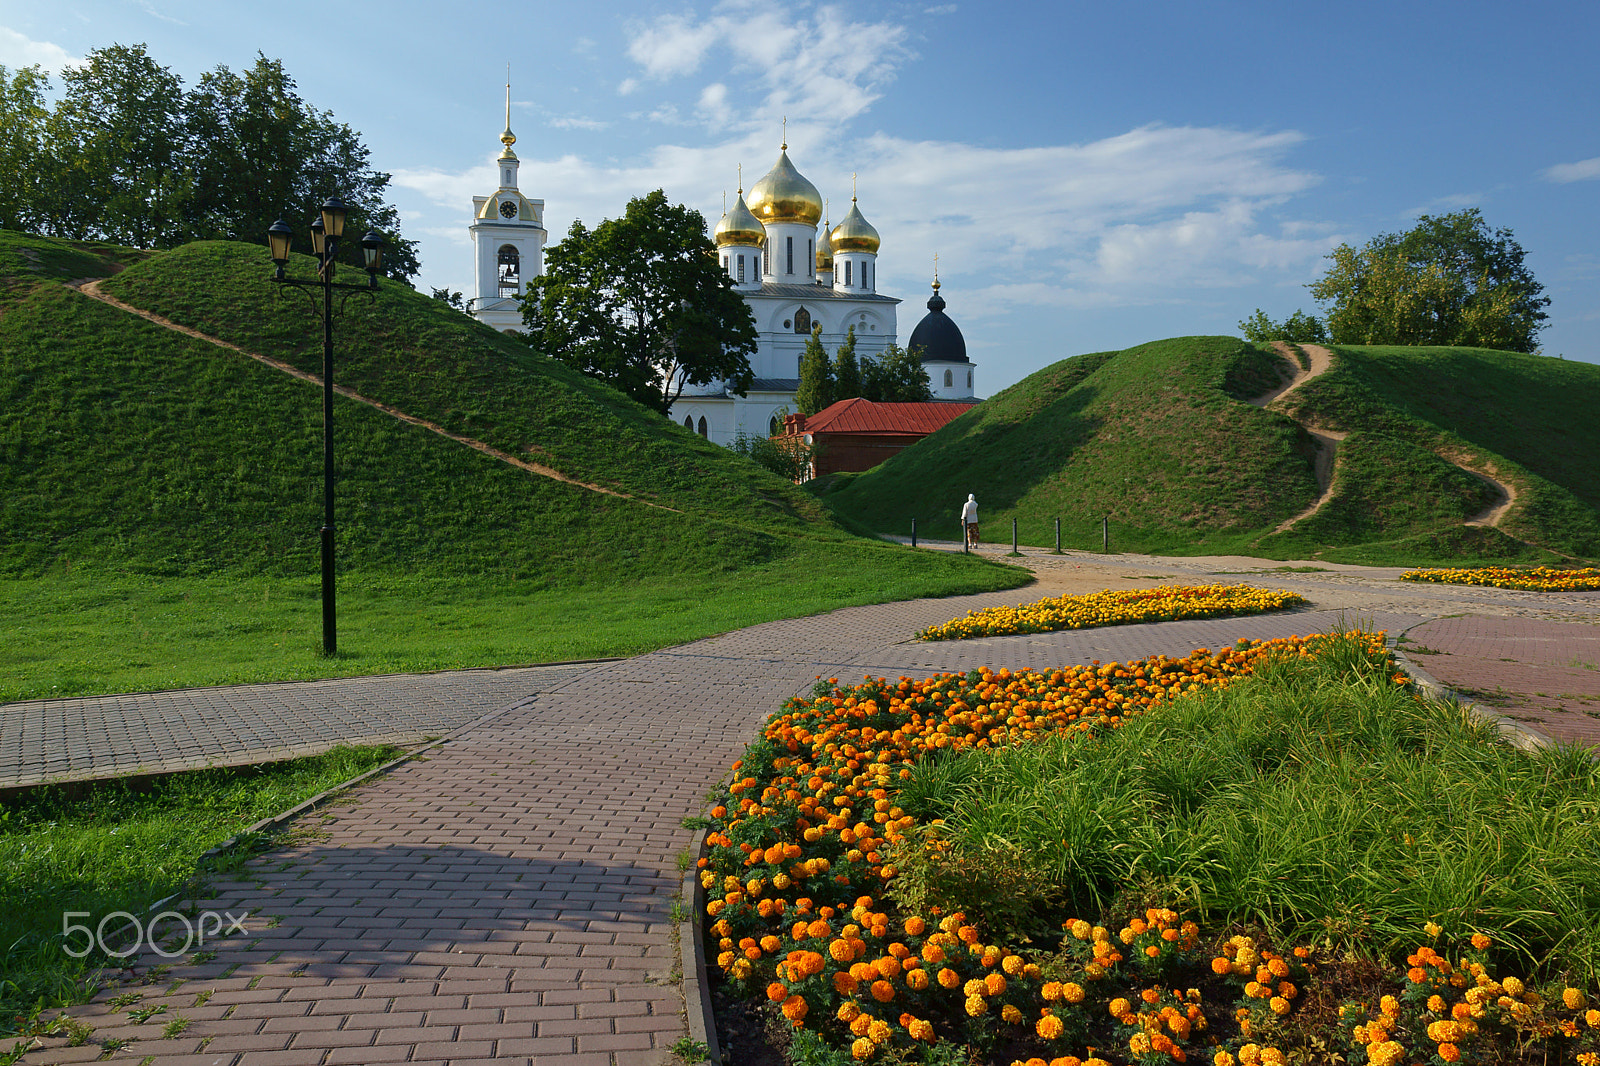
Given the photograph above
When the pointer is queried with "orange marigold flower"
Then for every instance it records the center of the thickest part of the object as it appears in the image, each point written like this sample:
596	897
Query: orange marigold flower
844	984
1480	941
849	1011
995	984
1222	966
863	1049
1072	993
917	980
795	1009
948	978
1573	998
1049	1027
777	991
1449	1053
915	926
1051	991
882	991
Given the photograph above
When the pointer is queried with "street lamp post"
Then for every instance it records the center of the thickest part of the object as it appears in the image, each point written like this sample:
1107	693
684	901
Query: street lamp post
326	232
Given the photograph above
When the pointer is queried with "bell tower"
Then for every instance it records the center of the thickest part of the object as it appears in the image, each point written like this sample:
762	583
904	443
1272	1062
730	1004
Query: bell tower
508	237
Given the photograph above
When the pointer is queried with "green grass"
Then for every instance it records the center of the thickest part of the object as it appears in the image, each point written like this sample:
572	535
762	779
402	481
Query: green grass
121	846
160	496
81	634
1157	439
1315	800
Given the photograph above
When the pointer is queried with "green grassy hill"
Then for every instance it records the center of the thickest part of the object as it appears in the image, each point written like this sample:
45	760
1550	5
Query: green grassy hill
1159	439
135	460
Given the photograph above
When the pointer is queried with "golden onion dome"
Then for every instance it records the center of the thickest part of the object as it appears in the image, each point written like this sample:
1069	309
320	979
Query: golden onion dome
854	234
824	251
739	226
783	195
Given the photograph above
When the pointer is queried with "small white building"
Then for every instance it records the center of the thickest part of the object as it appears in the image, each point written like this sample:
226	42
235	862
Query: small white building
793	278
508	237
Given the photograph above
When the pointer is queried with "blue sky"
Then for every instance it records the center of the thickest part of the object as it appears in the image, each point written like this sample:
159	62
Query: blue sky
1091	175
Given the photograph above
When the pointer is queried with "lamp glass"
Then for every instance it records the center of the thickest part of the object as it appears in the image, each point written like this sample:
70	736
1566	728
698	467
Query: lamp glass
279	236
318	236
333	215
372	250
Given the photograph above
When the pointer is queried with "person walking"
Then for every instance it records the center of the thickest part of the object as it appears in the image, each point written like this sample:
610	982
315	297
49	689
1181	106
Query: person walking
969	520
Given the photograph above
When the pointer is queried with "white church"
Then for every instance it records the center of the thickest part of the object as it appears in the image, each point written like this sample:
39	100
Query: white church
792	277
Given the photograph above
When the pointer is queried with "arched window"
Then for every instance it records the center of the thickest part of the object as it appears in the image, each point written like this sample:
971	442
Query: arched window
788	255
757	271
802	321
949	380
702	425
724	262
688	423
772	426
969	379
510	271
741	270
847	271
866	275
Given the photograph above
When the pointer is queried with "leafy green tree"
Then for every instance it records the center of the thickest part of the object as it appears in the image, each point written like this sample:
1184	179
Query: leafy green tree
816	376
1449	280
22	146
846	368
263	153
1299	328
896	376
641	302
117	158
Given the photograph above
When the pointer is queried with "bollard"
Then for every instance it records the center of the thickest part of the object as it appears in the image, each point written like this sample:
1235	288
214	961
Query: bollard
964	546
1014	537
1058	536
1105	535
913	532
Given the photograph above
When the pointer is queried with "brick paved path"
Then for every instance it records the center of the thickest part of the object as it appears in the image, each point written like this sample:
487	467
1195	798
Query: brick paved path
1541	673
510	897
159	732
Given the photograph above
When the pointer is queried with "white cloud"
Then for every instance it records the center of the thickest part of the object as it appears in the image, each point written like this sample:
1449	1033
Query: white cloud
627	86
17	50
673	45
150	9
940	9
1453	202
577	122
1583	170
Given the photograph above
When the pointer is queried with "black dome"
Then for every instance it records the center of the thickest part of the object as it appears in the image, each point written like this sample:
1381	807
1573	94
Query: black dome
939	338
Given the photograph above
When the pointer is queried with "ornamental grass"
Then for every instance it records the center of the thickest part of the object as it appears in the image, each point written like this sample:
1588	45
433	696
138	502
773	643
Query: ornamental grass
1239	857
1538	579
1164	603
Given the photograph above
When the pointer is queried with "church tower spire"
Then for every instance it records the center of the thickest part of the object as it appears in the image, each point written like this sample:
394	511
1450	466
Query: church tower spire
509	236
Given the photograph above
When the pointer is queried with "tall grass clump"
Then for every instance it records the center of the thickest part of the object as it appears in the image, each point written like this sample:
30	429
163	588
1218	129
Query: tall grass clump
1319	801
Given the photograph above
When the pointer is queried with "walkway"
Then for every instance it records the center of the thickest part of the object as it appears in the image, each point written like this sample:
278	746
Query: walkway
511	896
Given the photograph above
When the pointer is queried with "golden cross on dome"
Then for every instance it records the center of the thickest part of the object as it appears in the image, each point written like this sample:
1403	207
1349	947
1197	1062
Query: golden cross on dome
741	179
935	271
784	147
852	186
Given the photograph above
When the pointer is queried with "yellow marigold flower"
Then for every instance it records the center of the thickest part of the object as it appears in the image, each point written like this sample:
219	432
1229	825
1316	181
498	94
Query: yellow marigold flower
1573	998
1432	929
917	980
1222	1058
1279	1005
920	1029
1390	1006
1080	929
1012	964
1049	1027
861	1023
974	987
1443	1031
769	944
878	1032
849	1011
741	969
1051	991
725	959
977	1006
863	1049
1593	1018
1271	1056
1119	1006
1480	941
1388	1053
1072	993
1011	1014
1436	1004
1139	1044
1513	986
1250	1054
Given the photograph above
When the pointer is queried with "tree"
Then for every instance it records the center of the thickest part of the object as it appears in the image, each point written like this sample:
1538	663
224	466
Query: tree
1448	280
641	302
846	368
896	377
22	146
1298	328
263	153
117	159
816	376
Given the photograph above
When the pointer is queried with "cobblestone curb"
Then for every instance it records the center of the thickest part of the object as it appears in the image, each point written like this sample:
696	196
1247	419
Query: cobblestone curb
1515	733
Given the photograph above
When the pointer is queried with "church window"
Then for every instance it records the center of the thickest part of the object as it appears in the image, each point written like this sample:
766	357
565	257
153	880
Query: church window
757	270
688	423
772	426
802	320
789	255
510	270
811	257
702	425
741	269
969	379
847	271
864	267
949	380
724	262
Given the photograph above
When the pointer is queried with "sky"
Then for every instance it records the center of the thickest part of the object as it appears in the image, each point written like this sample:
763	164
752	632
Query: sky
1091	176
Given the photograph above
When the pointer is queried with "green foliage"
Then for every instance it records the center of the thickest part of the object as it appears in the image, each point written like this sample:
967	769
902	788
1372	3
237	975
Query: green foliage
789	457
816	376
127	156
1297	328
896	376
641	304
997	886
120	846
847	369
1448	280
1318	799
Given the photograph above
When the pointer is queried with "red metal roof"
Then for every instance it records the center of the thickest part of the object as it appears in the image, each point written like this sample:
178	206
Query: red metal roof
863	416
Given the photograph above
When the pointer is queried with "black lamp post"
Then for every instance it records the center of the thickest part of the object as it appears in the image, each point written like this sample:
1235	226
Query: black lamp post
326	232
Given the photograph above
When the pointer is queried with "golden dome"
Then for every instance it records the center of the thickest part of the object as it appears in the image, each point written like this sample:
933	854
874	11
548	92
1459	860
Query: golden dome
824	251
785	196
854	234
739	226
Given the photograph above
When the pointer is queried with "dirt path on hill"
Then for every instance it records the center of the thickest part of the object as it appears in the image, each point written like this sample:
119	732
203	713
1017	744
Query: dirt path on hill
91	288
1505	494
1327	440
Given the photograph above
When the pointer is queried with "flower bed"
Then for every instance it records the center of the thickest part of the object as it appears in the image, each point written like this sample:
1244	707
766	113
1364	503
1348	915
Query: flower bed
1165	603
1540	579
803	849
